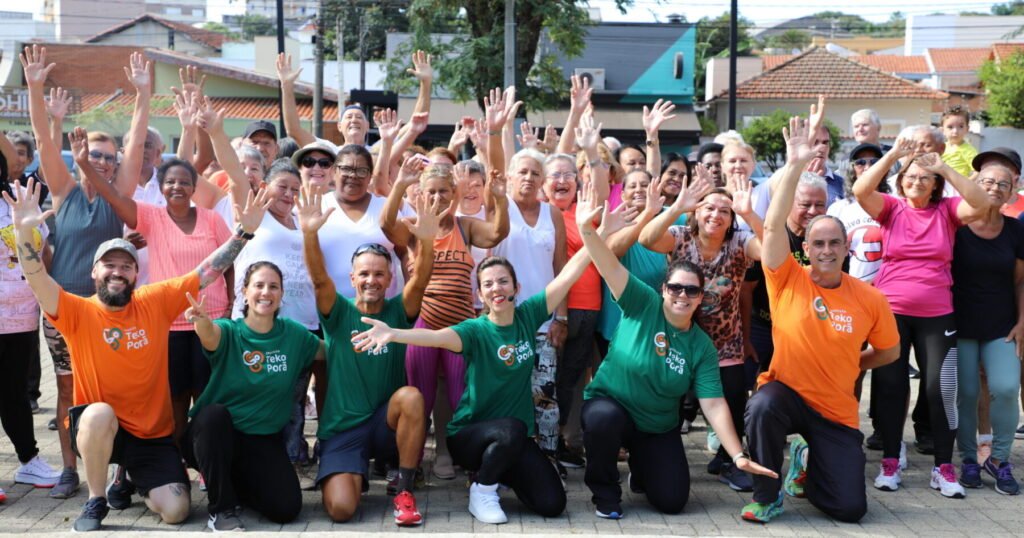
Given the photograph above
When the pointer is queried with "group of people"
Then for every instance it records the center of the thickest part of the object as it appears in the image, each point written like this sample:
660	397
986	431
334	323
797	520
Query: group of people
189	304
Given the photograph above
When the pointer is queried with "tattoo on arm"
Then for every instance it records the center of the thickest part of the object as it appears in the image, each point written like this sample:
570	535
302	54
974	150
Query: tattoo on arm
29	252
214	266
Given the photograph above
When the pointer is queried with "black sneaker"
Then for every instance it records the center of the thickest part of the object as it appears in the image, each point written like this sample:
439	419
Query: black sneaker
380	468
925	444
226	521
119	492
715	465
67	486
92	515
52	425
874	441
562	473
34	406
735	478
634	485
569	458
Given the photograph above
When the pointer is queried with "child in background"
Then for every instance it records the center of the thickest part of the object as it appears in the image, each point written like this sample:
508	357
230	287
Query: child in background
959	152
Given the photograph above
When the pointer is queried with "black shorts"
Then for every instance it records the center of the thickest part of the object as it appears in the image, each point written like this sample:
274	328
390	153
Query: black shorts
187	365
150	463
350	451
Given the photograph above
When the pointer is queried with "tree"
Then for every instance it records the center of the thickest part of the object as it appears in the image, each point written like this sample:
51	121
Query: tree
470	64
220	29
713	41
1004	90
1016	7
790	39
376	21
765	135
256	25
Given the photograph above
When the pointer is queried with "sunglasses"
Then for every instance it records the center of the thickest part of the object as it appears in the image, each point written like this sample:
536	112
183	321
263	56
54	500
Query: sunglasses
309	162
690	290
866	162
98	155
375	248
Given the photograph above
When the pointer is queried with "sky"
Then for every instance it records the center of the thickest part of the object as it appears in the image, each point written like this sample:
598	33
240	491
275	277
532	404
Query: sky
764	13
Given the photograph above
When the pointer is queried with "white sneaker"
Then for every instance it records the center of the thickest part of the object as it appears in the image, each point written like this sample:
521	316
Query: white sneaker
485	505
713	442
889	476
903	456
38	473
944	480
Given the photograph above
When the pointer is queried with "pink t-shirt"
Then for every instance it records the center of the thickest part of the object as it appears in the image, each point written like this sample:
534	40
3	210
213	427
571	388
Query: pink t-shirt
174	253
615	195
916	276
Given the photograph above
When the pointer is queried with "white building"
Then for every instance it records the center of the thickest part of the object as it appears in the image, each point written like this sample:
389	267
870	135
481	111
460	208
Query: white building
958	31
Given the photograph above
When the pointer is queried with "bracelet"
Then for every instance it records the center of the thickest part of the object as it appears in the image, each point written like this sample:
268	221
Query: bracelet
493	133
563	319
595	163
241	233
739	455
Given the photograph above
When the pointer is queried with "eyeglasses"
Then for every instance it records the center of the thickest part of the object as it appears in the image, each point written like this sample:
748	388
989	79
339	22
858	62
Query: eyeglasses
1001	185
309	162
866	162
98	155
359	172
690	290
558	176
919	179
375	248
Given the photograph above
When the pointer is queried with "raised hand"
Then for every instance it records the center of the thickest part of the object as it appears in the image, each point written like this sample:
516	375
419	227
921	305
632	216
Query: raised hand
421	68
691	195
374	338
197	312
25	212
550	142
428	220
657	115
388	124
191	81
496	183
311	214
616	219
655	200
250	217
798	143
79	145
411	170
33	62
418	122
588	135
816	119
285	73
478	136
741	196
931	162
138	72
579	94
495	110
459	136
59	103
903	147
528	138
587	208
511	105
210	120
186	104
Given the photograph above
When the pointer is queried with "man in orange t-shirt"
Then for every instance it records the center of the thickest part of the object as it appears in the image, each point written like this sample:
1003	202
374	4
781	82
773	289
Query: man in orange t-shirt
118	345
822	317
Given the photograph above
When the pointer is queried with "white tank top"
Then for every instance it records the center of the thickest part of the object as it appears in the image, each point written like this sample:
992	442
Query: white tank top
341	236
531	249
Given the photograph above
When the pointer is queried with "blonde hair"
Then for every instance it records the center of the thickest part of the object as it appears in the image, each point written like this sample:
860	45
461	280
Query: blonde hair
438	170
735	144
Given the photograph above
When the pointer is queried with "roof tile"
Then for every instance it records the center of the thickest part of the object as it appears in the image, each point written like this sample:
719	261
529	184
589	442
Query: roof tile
253	108
958	60
1002	51
209	38
894	63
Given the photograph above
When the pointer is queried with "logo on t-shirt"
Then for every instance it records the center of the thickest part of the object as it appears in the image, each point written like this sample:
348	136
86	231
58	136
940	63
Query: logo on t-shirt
839	319
270	361
254	360
113	337
511	354
660	344
675	361
133	338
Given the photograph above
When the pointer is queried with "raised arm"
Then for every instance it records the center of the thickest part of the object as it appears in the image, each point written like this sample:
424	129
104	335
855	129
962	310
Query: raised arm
124	206
212	121
775	246
379	335
975	203
652	120
425	230
388	126
206	329
588	136
498	110
508	135
396	232
58	179
249	219
422	70
138	73
311	219
57	107
607	262
417	125
487	234
292	124
579	100
192	83
743	207
865	188
27	217
655	235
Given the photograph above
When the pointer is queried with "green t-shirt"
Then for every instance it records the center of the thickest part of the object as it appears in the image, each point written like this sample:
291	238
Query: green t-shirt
499	366
359	383
254	374
651	365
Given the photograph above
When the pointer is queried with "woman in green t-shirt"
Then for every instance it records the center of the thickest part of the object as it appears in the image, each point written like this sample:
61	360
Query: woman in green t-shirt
492	428
655	357
234	435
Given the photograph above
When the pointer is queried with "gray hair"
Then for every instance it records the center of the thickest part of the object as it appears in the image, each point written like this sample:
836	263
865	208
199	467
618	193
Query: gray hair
24	138
815	219
537	156
560	157
867	114
469	166
149	131
245	151
935	132
814	181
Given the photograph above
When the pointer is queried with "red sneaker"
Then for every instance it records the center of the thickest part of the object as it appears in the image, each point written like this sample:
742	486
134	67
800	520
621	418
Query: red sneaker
406	514
3	495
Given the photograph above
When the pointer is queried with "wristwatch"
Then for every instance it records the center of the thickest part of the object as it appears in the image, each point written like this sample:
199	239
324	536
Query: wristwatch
563	319
240	232
652	142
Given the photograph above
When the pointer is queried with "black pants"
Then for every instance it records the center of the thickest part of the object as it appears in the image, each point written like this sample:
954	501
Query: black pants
576	356
500	451
35	371
734	388
835	459
933	340
656	460
15	413
240	467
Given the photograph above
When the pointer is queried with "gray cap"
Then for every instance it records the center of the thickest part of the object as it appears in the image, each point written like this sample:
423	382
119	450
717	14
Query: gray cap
116	244
317	145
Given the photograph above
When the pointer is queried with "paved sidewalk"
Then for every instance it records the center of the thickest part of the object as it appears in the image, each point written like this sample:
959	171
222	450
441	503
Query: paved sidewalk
713	508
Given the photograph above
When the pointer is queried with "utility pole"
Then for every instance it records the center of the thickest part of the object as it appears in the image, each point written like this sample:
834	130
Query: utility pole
510	43
318	73
280	49
362	49
733	38
340	48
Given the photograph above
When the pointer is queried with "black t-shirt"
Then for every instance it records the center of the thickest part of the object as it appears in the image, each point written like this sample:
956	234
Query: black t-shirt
984	298
760	311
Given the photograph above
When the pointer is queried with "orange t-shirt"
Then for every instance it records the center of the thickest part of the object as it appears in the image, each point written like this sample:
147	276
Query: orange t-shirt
585	294
818	333
120	358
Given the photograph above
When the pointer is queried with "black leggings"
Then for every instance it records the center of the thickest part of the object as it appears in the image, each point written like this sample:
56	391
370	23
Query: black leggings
499	450
734	388
934	342
576	356
15	413
240	467
656	460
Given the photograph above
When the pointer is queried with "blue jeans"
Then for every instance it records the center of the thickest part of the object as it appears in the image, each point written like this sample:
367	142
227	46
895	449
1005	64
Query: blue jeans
1002	368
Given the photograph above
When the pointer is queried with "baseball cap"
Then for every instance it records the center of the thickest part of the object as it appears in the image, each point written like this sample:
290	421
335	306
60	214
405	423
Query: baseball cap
317	145
116	244
1006	154
872	147
260	125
